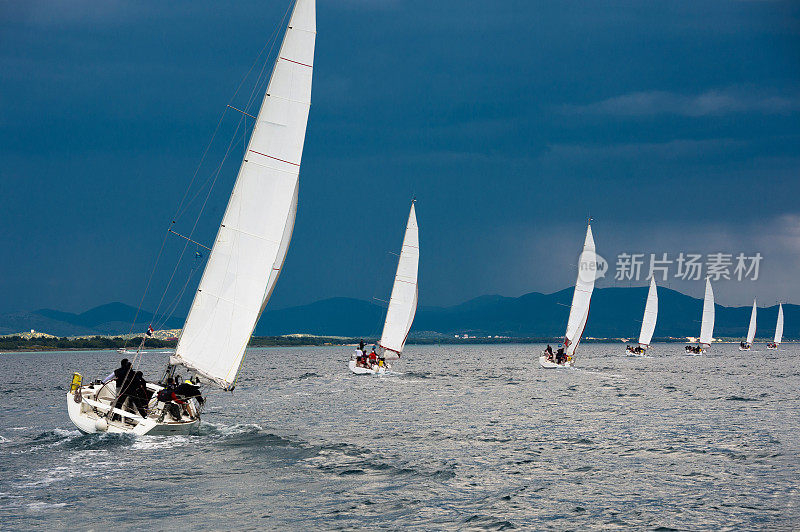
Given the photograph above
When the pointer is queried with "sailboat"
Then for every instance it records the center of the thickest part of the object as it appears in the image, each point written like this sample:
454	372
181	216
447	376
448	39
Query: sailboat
579	310
751	331
402	306
778	330
648	322
707	324
246	258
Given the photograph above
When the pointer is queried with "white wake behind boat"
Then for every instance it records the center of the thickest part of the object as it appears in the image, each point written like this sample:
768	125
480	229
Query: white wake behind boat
247	255
776	341
707	324
751	330
579	309
402	304
648	323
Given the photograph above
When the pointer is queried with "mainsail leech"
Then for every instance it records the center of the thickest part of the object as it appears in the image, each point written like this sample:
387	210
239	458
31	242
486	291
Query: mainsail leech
582	296
403	302
779	325
650	315
751	330
254	236
707	326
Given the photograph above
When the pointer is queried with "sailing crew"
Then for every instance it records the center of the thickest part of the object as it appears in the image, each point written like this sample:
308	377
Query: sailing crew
373	357
124	375
189	389
361	345
549	351
170	400
139	394
560	356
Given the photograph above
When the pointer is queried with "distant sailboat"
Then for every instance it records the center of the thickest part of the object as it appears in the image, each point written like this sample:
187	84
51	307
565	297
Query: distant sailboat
579	310
402	306
751	330
648	322
776	341
246	258
707	325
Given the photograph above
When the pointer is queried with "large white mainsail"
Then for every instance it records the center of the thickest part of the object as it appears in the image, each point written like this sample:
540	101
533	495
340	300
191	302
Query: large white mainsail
751	330
707	326
779	325
403	302
581	297
650	315
254	236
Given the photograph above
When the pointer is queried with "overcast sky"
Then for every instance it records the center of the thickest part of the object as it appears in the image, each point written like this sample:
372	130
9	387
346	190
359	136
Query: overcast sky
674	125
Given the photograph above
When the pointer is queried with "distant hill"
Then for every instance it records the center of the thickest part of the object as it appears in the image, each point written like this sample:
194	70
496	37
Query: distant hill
615	312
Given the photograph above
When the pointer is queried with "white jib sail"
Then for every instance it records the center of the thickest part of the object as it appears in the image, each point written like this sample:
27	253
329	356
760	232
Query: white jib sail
581	297
403	303
779	325
650	315
751	330
707	326
254	236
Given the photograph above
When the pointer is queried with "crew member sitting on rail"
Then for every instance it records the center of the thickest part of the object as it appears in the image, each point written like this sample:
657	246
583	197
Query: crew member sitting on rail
170	401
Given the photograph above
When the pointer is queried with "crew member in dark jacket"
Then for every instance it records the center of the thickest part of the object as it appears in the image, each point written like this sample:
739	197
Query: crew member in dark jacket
139	393
124	376
189	389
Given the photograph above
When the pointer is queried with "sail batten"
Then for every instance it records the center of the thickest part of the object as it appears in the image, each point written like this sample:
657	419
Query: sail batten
253	238
403	301
707	325
582	296
751	329
650	315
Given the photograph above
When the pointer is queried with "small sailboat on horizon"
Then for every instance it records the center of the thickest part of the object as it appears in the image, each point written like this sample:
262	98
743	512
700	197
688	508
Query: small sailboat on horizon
648	323
776	341
707	324
242	268
401	311
751	330
578	310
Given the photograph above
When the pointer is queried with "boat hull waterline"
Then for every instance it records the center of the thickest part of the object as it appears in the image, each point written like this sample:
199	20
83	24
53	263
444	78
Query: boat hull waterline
547	364
88	408
360	370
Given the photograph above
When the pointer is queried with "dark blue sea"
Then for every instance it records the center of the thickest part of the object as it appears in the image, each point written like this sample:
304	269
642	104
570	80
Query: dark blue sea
458	437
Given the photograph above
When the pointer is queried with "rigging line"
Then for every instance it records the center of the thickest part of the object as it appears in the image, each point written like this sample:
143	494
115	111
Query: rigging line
270	43
189	239
176	301
147	287
194	227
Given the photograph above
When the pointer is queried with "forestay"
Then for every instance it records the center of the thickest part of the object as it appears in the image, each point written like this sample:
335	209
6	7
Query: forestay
779	325
650	315
403	302
751	330
252	241
707	326
581	297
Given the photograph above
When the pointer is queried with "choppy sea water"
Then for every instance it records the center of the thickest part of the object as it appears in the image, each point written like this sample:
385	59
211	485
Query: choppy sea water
458	437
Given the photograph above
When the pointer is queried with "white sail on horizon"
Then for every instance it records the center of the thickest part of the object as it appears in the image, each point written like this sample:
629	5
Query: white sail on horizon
403	301
751	329
253	238
650	315
582	296
707	326
779	325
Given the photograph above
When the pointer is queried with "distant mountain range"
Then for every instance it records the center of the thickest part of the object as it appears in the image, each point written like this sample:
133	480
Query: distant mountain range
615	313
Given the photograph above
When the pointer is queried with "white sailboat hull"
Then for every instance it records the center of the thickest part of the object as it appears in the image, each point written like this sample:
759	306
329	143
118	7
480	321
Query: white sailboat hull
546	364
642	354
358	370
90	415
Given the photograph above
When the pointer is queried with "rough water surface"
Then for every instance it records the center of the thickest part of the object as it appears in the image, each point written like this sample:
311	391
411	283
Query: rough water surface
458	437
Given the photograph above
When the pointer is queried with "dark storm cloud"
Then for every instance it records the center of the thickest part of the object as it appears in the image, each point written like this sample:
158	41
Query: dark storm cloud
672	124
